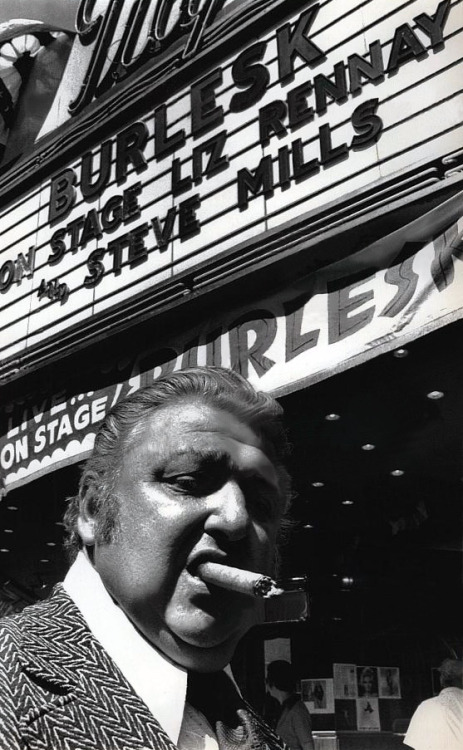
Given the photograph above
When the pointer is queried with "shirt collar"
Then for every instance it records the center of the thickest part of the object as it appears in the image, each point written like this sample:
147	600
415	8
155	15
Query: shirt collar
158	682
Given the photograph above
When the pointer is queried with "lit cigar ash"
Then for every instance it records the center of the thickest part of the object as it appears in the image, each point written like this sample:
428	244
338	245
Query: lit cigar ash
235	579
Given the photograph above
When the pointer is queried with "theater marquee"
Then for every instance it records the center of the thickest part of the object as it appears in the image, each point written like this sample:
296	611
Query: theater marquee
328	101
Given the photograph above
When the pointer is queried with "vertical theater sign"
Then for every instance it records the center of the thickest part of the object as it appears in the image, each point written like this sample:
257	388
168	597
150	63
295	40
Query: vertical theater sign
189	144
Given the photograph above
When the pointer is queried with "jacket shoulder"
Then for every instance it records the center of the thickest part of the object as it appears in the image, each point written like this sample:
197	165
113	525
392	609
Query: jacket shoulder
10	678
37	628
12	631
10	640
24	639
12	627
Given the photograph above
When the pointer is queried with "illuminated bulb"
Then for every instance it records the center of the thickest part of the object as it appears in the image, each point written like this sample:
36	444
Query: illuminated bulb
435	395
368	447
44	560
347	502
348	581
51	544
11	507
308	526
4	550
8	531
397	473
318	484
332	417
400	353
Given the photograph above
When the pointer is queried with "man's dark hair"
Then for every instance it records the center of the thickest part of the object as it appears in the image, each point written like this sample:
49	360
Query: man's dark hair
280	674
214	386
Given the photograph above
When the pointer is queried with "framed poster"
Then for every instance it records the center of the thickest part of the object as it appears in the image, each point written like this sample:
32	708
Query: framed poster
367	682
277	648
389	682
345	681
318	695
368	715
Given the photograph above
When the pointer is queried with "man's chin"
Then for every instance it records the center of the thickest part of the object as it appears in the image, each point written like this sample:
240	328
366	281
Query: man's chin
197	654
202	649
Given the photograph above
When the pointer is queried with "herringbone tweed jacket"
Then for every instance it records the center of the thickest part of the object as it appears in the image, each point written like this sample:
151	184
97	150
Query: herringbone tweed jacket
59	690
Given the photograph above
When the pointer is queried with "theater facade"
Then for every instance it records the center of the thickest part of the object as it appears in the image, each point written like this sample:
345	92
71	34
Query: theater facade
276	187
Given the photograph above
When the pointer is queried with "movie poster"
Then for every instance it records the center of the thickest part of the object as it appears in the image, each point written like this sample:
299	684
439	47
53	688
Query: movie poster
318	695
368	715
345	681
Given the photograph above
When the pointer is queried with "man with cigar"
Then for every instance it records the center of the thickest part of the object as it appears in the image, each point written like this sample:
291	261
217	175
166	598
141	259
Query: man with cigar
131	651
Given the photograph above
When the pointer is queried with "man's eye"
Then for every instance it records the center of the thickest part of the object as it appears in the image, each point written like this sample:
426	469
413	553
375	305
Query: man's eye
263	500
197	483
265	509
186	482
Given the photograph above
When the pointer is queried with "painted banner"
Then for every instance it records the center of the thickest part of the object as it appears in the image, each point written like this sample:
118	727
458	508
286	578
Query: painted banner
402	286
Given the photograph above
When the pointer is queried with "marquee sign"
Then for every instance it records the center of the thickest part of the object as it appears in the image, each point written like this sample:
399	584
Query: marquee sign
375	301
327	102
119	37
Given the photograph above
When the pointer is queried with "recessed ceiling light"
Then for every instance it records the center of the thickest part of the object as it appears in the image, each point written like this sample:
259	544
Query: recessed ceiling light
347	502
333	417
51	544
397	473
368	447
400	353
11	507
4	550
347	581
318	484
308	526
44	560
435	395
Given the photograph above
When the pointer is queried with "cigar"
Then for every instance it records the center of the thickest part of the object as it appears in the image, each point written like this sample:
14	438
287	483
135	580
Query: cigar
235	579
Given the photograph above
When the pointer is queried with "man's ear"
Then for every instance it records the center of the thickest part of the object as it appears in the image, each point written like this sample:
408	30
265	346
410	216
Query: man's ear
86	521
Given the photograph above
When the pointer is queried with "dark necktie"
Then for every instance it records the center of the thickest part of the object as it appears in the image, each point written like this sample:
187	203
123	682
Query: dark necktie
233	720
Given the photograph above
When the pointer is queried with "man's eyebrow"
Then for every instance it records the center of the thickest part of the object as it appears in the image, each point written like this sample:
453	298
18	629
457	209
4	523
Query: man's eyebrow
220	457
202	455
191	450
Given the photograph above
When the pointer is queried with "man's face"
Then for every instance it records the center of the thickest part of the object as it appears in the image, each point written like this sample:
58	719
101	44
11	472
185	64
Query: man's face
194	485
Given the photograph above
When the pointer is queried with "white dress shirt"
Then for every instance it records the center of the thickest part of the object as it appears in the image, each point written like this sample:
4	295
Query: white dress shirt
437	723
143	667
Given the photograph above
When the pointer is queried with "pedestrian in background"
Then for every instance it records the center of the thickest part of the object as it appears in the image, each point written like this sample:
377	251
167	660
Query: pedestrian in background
437	723
293	724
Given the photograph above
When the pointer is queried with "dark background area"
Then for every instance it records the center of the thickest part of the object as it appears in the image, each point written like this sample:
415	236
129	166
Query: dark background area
383	549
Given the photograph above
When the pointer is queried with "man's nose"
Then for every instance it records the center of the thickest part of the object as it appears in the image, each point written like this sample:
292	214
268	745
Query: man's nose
228	512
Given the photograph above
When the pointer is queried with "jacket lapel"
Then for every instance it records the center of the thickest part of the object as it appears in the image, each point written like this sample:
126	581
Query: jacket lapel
73	694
